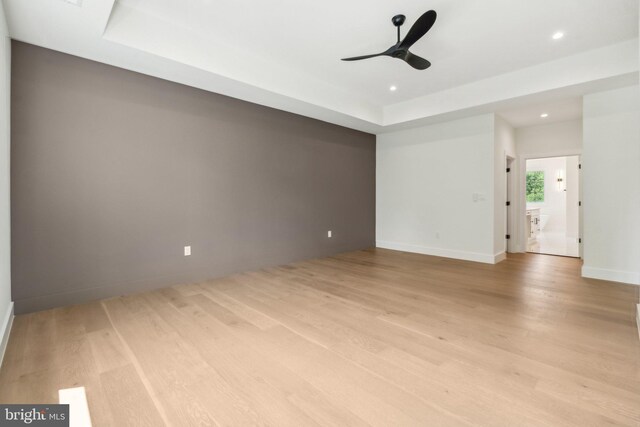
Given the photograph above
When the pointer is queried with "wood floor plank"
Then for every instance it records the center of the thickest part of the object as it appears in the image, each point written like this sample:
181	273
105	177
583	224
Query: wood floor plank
373	337
130	404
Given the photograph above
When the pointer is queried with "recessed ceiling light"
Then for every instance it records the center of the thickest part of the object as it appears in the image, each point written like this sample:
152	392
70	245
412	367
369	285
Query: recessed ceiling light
558	35
74	2
544	115
393	88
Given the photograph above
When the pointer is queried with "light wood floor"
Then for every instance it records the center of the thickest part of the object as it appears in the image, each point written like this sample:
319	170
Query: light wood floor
365	338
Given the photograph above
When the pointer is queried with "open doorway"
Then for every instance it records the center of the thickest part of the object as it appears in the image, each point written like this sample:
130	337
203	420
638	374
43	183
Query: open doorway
552	199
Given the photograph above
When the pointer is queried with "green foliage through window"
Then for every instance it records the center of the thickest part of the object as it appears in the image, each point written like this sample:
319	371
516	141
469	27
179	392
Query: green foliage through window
535	186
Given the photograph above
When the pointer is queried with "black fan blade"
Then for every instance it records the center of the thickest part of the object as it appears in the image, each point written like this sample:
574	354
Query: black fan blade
419	29
358	58
416	62
387	52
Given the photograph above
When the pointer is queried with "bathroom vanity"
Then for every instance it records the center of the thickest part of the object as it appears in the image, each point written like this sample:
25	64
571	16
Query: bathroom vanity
533	223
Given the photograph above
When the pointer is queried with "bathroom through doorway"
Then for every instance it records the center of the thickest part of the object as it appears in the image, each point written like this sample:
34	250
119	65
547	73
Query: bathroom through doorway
552	200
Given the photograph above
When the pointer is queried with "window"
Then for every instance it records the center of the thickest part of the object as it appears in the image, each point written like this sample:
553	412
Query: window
535	186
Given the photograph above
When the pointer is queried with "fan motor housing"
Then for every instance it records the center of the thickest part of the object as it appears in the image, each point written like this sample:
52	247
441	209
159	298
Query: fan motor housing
398	20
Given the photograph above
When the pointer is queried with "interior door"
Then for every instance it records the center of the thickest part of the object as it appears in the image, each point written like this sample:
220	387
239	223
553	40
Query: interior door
509	225
580	209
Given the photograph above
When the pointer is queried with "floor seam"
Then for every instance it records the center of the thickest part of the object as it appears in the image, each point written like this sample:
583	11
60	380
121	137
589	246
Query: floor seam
138	368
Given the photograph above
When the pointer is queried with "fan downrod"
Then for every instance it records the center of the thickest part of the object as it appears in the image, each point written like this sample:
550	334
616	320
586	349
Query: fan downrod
398	20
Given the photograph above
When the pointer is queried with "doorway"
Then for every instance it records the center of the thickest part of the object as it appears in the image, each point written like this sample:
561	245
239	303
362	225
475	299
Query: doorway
552	200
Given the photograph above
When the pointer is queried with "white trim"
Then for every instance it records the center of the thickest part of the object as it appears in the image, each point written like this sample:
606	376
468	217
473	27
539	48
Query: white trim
499	257
513	225
7	323
445	253
630	277
551	154
76	398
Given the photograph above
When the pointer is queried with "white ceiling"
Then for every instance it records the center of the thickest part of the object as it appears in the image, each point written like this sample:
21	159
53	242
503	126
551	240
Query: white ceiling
286	54
557	111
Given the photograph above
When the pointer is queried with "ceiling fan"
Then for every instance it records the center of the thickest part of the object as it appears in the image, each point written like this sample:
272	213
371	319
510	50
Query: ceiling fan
400	50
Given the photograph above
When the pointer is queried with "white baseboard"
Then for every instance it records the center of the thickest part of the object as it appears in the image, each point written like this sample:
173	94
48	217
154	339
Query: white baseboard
445	253
5	330
499	257
630	277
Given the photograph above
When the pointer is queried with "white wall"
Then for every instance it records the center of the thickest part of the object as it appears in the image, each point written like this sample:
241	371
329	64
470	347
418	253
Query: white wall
548	140
504	145
611	178
6	307
425	182
555	202
573	196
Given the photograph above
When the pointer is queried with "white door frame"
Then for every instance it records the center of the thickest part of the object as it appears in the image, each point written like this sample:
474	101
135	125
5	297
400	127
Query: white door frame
511	195
522	187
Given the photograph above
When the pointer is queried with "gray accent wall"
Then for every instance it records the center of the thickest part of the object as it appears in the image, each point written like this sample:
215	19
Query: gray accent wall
114	172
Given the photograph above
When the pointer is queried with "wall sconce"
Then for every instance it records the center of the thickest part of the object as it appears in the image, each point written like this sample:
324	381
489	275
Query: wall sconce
560	179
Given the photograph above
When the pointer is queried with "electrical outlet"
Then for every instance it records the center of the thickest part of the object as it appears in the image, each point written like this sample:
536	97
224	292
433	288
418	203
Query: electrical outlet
437	234
329	234
187	250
